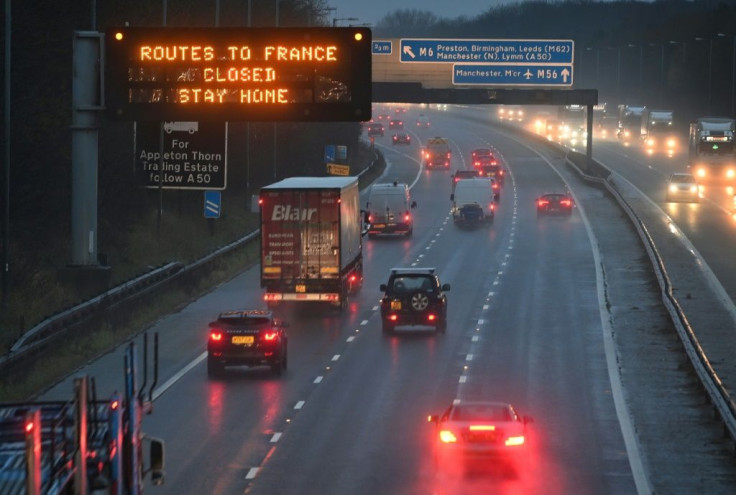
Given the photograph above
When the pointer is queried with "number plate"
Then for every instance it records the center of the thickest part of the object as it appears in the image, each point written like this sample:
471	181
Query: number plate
379	225
301	288
395	305
243	339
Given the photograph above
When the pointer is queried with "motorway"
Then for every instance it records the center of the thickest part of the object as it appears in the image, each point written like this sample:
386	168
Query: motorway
349	416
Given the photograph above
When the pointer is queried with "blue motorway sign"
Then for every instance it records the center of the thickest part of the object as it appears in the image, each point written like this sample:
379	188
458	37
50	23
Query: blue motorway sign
381	47
512	75
488	51
212	204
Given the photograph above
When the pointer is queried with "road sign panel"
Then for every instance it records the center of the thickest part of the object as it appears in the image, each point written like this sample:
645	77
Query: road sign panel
212	204
337	169
488	51
381	47
238	74
194	155
512	75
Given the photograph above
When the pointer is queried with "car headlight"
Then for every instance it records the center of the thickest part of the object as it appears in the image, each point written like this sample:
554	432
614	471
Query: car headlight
693	189
673	188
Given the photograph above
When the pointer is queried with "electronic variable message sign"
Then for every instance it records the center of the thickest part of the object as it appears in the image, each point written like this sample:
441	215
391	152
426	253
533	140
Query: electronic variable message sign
238	74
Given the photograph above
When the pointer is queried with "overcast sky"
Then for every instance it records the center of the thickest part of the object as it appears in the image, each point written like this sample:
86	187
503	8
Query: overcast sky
371	11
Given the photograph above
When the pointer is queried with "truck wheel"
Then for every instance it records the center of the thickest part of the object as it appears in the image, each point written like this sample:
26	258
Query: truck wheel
343	300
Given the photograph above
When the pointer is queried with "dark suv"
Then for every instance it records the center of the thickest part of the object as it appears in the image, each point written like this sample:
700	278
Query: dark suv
249	338
414	296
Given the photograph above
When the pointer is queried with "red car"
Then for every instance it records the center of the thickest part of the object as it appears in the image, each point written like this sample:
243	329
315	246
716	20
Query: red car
479	433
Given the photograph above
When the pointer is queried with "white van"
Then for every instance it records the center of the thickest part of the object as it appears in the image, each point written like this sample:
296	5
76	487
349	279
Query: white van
472	201
389	210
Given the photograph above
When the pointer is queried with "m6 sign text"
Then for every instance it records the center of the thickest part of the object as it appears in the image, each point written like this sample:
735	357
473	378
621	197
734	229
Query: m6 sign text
238	74
194	155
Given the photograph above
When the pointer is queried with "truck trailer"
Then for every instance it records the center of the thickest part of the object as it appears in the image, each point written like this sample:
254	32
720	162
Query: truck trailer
311	244
658	132
629	123
712	156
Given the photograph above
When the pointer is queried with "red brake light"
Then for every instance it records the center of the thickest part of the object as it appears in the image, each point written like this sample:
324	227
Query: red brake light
482	428
29	426
216	335
393	317
114	405
270	335
352	278
370	218
407	217
566	202
542	202
431	317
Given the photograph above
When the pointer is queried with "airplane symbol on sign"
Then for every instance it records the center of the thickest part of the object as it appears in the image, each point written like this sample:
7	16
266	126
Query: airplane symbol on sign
528	74
407	51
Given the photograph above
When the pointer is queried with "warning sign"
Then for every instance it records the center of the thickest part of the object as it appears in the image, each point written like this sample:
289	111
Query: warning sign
194	155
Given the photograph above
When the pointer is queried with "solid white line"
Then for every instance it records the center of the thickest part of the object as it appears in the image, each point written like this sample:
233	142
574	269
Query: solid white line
275	437
299	404
252	472
178	375
639	473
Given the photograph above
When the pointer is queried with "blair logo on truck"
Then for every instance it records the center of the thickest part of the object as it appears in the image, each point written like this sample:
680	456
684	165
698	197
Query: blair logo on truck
287	212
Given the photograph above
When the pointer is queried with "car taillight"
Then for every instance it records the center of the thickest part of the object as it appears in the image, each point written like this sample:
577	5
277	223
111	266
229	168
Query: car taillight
514	441
393	317
494	186
566	202
476	164
446	436
431	317
407	217
269	335
353	278
216	335
370	218
542	202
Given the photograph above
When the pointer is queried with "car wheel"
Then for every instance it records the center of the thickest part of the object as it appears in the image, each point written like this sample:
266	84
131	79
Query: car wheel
442	326
387	327
214	368
410	232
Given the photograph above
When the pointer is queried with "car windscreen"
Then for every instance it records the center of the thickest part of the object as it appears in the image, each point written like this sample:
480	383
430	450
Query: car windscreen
412	283
387	202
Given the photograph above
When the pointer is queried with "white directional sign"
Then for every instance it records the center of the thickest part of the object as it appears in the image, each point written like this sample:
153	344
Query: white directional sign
487	51
516	75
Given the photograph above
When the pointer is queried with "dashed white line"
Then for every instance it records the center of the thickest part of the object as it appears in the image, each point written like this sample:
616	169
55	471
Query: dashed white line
318	379
299	404
350	339
463	379
335	357
475	338
364	322
252	472
481	321
486	306
275	437
469	357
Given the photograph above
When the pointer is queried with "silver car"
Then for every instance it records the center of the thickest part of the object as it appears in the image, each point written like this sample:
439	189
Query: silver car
683	186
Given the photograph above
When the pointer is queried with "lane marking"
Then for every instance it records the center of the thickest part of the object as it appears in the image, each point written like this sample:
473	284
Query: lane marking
252	472
299	404
276	436
318	379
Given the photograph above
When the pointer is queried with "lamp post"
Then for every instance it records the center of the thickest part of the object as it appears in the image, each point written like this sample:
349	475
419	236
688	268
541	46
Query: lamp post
334	21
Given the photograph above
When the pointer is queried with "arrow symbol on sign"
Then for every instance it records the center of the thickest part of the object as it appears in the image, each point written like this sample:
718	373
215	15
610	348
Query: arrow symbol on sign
528	74
565	73
407	51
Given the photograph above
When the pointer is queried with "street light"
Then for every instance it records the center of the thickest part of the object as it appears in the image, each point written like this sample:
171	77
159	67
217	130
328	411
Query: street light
334	21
